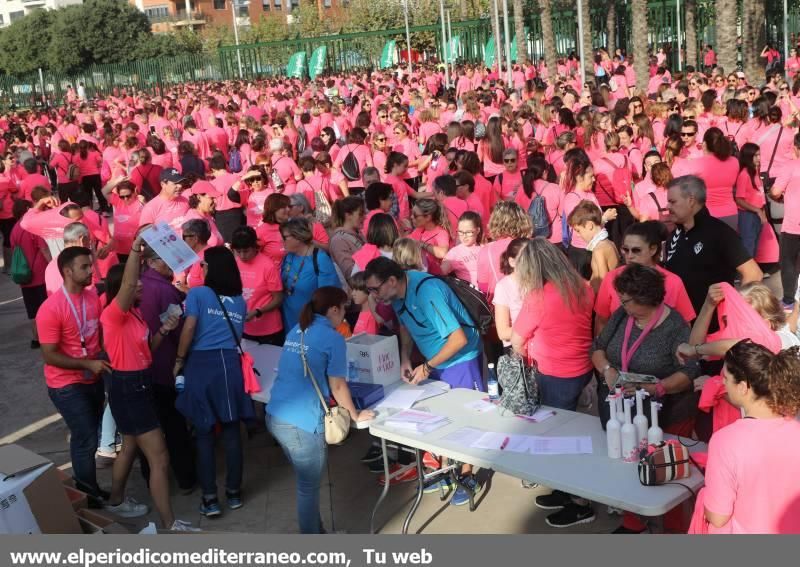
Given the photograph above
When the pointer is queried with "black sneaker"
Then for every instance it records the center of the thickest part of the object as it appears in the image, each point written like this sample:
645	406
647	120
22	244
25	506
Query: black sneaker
376	467
624	530
373	454
571	515
556	500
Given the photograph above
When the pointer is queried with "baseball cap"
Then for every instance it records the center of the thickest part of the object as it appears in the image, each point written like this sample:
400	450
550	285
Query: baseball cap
204	188
170	174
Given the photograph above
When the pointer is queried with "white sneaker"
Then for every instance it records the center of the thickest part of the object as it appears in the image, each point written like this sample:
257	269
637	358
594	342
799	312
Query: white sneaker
128	508
181	526
617	511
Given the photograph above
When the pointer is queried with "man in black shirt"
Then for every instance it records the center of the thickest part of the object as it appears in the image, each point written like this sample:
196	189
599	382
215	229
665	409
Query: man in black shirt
703	250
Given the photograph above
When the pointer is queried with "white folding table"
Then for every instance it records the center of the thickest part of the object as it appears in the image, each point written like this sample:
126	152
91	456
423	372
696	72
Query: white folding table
595	477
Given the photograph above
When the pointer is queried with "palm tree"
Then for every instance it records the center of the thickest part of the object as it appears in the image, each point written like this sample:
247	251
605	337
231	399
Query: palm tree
548	37
588	63
691	32
611	27
752	38
463	9
498	50
726	34
519	33
639	41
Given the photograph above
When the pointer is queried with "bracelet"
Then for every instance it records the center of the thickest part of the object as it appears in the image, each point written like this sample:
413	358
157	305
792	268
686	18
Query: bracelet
427	367
179	358
697	350
139	251
661	391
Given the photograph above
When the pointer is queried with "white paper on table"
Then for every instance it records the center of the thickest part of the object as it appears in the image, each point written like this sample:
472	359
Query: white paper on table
519	443
433	388
561	445
539	415
402	398
464	436
490	440
481	406
418	427
170	247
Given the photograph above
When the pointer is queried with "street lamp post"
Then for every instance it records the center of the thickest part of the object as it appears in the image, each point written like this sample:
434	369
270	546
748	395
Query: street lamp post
580	42
408	36
498	49
678	19
234	4
507	34
444	44
786	37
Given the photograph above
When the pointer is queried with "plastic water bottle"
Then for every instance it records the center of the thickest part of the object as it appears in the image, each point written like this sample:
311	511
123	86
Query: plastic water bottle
352	371
640	421
492	385
655	435
613	433
628	431
180	382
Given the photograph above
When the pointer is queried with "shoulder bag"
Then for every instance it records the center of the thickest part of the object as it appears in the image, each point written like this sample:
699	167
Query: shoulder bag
249	372
518	382
337	419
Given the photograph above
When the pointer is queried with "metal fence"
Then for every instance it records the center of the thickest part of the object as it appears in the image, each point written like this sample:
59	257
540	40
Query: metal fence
363	50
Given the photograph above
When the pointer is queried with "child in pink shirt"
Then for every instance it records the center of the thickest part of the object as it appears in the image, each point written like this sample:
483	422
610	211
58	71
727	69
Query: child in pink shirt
368	320
462	260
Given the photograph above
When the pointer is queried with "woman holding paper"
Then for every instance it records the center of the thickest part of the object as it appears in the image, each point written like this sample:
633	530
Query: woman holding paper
294	412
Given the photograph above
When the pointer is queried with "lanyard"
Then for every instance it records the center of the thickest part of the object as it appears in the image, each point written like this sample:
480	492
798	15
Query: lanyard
627	355
80	322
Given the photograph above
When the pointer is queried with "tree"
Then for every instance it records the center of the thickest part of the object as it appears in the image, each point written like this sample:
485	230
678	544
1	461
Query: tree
498	50
548	37
20	55
752	38
269	27
588	50
726	11
611	28
519	33
639	41
691	32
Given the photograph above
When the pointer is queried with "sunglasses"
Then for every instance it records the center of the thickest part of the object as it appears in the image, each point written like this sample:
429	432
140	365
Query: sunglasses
380	139
509	161
633	250
688	134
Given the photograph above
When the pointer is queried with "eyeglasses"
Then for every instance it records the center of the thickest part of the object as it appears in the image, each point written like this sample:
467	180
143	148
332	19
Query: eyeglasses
688	134
376	289
417	215
467	232
382	115
624	302
128	196
632	250
784	89
286	236
509	161
380	139
185	236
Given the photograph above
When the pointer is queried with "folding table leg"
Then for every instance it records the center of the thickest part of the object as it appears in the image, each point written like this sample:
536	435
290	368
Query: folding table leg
385	490
420	488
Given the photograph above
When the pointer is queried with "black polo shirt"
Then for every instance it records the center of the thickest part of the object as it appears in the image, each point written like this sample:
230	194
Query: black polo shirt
709	253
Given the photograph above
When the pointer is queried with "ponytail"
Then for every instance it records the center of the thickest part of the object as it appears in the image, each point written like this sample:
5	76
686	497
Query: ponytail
323	299
774	378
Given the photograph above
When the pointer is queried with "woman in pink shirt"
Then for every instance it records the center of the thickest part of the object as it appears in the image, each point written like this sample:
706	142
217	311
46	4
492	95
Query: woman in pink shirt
462	260
471	163
360	151
490	149
508	298
751	474
554	329
535	183
750	198
261	187
432	232
276	212
649	199
404	144
127	210
89	161
577	184
507	222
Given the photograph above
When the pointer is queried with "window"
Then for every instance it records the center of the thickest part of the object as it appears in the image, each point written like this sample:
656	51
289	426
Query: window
294	3
326	3
266	5
14	16
157	12
277	4
219	4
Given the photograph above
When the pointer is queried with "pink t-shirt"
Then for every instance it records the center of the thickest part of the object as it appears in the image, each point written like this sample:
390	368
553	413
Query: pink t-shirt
216	237
126	338
752	193
454	207
720	177
260	280
173	212
510	186
57	325
366	323
788	182
752	474
438	236
269	236
643	193
508	294
489	265
607	300
464	260
126	221
557	337
568	204
363	157
255	205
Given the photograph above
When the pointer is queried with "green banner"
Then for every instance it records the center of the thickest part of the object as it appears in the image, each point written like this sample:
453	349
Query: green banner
454	49
389	54
297	65
489	53
318	61
514	45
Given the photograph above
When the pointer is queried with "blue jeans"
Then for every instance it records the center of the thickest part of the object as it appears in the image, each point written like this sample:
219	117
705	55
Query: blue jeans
562	393
749	231
307	452
207	462
81	406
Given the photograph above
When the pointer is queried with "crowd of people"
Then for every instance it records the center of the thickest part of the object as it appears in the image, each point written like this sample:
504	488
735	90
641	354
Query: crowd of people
612	229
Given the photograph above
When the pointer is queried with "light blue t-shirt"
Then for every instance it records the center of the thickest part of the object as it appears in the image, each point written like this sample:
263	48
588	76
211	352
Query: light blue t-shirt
433	314
300	281
293	398
212	331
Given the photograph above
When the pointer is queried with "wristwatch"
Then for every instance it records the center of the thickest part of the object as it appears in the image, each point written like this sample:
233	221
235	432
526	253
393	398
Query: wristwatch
605	369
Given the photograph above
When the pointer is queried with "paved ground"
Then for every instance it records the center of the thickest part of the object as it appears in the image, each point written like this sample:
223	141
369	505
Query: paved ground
28	417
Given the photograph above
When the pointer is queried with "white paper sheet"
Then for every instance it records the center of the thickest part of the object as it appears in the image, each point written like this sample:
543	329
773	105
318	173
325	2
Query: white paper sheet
481	406
491	440
170	247
561	445
401	398
464	436
539	415
418	421
519	443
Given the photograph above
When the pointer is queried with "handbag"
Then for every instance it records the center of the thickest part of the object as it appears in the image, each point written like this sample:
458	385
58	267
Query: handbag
766	180
336	419
518	381
663	463
249	372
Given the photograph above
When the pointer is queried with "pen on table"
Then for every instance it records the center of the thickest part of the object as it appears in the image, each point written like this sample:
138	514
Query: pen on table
505	443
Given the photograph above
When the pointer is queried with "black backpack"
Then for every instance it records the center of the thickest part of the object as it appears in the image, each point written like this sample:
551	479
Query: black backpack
473	300
147	189
350	166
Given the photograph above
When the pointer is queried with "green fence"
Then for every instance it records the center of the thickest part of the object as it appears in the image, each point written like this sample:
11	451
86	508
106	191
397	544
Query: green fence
362	50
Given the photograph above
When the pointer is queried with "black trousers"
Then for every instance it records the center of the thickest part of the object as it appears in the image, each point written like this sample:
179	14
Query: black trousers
790	250
93	184
176	434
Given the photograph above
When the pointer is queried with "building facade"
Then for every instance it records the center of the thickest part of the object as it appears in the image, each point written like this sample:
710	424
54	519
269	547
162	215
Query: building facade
13	10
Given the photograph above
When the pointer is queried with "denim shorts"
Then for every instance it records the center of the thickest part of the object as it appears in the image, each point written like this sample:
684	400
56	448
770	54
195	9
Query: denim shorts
130	396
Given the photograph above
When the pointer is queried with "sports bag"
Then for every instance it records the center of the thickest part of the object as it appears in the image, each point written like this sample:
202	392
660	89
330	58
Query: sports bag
517	380
537	211
235	160
350	166
473	300
21	273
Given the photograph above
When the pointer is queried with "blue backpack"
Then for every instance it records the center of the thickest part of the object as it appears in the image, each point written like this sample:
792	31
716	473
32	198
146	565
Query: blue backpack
235	161
537	211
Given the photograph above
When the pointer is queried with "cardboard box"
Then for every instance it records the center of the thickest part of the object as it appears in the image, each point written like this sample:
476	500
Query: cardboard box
32	496
77	498
93	522
377	358
65	479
